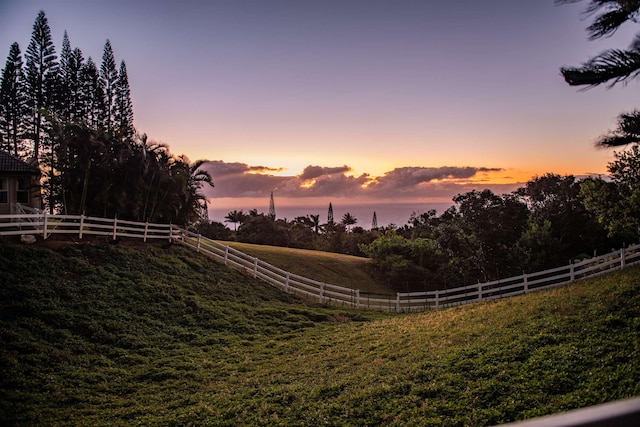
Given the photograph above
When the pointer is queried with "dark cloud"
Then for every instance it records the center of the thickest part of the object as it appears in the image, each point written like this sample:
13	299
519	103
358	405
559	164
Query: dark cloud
311	172
242	180
219	168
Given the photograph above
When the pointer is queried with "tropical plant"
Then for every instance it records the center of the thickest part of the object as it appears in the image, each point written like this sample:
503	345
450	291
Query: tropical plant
348	220
235	217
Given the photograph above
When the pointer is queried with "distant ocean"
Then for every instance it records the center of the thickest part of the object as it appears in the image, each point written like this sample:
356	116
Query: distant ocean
387	213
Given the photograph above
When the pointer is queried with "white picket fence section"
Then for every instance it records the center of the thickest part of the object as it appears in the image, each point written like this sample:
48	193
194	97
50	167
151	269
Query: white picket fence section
324	293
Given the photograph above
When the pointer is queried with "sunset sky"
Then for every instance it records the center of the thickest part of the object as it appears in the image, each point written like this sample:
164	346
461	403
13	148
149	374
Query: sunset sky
351	101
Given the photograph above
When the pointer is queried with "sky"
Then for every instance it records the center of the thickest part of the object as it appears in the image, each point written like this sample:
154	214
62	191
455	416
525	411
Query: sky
362	103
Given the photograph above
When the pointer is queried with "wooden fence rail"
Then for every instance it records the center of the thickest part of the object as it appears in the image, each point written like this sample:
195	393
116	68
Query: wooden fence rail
45	225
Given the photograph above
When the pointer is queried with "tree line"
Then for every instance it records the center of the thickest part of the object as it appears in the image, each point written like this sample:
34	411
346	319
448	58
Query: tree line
74	120
550	221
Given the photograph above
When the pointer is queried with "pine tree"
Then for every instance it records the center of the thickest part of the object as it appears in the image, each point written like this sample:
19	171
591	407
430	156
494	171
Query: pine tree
272	208
91	95
109	79
64	91
40	76
74	82
330	214
13	111
374	221
123	107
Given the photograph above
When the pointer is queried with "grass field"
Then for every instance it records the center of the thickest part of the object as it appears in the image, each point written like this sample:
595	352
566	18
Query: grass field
342	270
107	335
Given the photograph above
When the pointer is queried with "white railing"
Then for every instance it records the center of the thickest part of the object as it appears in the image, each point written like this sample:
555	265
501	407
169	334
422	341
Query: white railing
325	293
45	225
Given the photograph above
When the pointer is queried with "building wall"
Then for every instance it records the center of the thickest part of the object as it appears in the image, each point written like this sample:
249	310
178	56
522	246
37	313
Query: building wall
21	189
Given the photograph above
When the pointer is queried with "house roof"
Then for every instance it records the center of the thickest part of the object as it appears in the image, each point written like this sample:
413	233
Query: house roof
12	164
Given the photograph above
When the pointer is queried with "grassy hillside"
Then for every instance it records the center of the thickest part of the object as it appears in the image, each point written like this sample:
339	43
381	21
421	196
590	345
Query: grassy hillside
110	335
338	269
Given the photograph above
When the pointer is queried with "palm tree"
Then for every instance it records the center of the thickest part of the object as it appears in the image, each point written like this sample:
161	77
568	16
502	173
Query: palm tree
348	220
189	178
315	219
613	65
235	217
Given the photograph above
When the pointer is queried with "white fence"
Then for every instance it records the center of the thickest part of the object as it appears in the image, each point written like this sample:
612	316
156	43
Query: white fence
325	293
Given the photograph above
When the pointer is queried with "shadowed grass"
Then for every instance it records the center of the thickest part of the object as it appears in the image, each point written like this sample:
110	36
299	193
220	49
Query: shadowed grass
106	335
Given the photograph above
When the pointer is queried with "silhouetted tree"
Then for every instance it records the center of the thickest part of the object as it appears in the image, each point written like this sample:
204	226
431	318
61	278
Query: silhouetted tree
330	214
92	105
315	220
348	220
272	208
235	217
611	66
123	109
109	79
13	108
65	81
41	71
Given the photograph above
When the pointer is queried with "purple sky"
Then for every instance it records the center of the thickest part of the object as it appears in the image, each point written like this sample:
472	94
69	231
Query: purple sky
396	100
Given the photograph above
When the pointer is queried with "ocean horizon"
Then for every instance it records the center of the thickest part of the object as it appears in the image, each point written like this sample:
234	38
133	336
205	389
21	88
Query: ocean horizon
386	213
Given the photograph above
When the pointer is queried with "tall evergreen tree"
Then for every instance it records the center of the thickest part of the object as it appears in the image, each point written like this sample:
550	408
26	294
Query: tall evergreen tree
13	111
272	208
40	76
91	95
74	83
123	107
330	214
109	79
64	78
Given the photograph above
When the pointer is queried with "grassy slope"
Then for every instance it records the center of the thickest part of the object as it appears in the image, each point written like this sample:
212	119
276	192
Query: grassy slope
121	336
338	269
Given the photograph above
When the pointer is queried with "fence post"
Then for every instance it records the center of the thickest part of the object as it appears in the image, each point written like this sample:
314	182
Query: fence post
198	248
81	227
286	282
357	298
115	225
44	225
526	282
479	291
226	254
321	293
572	272
622	258
146	230
437	298
255	268
398	302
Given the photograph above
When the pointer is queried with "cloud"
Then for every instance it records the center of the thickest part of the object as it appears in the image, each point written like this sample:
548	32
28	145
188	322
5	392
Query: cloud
311	172
242	180
416	181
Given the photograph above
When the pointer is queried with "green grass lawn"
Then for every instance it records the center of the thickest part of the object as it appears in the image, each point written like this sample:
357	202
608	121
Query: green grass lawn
107	335
337	269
